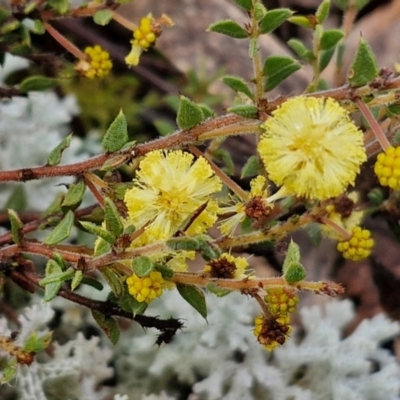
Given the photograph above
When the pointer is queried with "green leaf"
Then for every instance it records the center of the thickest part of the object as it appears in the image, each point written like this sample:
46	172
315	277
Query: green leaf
103	17
237	84
9	371
10	27
57	257
207	249
206	110
325	58
244	110
130	304
61	6
225	157
98	231
330	38
108	325
62	231
292	269
76	280
55	155
116	135
277	69
51	289
365	67
251	168
245	4
184	243
302	20
142	266
112	218
217	290
189	114
101	247
17	200
253	47
25	36
323	11
57	276
38	27
36	344
86	280
229	28
295	272
195	297
113	280
301	50
37	83
274	18
259	11
74	195
16	226
165	271
393	110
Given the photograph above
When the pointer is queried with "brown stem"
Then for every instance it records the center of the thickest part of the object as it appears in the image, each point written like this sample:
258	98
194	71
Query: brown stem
107	308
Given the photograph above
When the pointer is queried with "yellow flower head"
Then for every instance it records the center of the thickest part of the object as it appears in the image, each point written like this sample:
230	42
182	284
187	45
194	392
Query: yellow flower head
312	148
387	167
147	288
145	36
97	65
170	187
359	246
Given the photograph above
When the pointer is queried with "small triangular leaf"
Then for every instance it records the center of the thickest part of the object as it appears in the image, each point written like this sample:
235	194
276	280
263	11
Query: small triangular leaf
116	135
16	226
108	325
74	195
365	67
274	18
37	83
98	231
237	84
195	297
189	114
112	218
251	168
277	69
62	231
103	17
229	28
330	38
55	155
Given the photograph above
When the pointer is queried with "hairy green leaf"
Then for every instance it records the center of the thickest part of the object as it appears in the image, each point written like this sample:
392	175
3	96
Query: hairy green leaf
189	113
116	135
229	28
195	297
62	231
108	325
55	155
274	18
277	69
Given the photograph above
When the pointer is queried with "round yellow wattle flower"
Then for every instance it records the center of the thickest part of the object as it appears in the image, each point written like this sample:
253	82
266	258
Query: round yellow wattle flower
170	187
311	148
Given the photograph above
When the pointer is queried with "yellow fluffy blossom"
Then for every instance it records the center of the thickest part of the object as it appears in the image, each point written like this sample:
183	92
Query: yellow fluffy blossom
227	267
272	332
97	64
311	148
147	288
358	247
170	187
255	208
387	168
